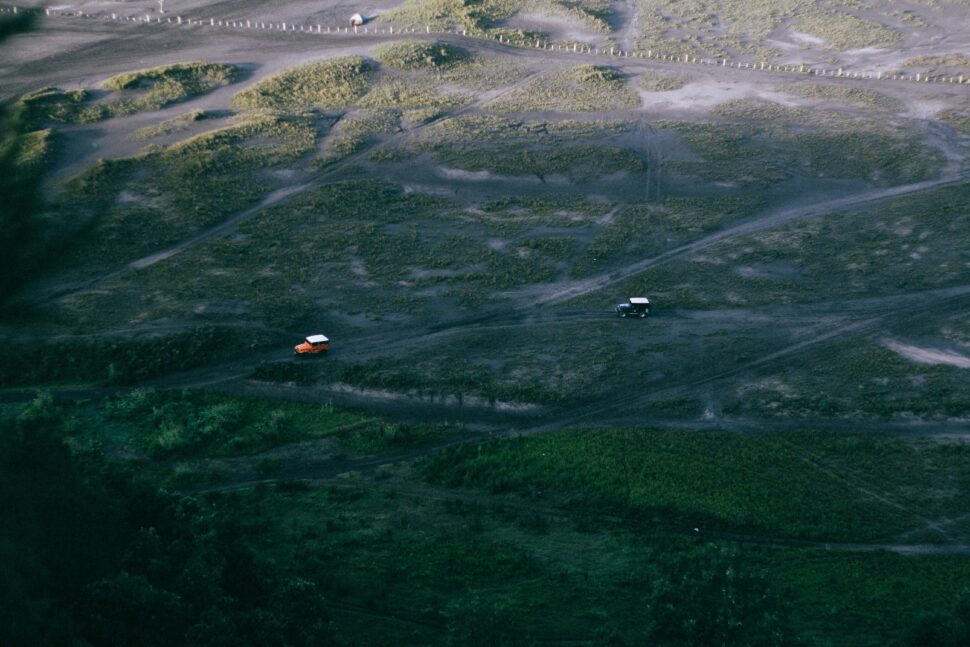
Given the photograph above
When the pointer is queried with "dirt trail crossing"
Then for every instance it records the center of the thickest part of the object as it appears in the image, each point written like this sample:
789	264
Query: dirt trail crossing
558	293
315	180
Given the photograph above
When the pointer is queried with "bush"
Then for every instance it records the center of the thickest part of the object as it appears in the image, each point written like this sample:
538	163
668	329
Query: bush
150	89
416	55
124	361
334	83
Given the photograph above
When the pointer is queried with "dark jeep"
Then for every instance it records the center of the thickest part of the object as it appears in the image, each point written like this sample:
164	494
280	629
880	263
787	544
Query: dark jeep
635	307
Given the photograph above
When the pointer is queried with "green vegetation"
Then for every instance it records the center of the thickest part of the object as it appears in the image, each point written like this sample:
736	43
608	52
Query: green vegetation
295	565
906	245
173	125
403	93
59	106
141	203
420	55
356	130
439	261
795	486
327	84
740	29
856	378
150	89
958	118
30	153
115	360
95	554
190	424
844	31
766	142
577	149
274	263
441	14
23	233
853	97
592	13
482	73
636	230
428	65
579	535
576	162
654	82
586	88
954	64
161	86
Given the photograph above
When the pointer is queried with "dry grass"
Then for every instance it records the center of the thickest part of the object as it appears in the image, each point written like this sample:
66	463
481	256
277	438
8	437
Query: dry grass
334	83
586	88
849	96
420	55
133	92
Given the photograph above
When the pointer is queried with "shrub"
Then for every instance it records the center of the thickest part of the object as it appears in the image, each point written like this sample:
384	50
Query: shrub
333	83
416	54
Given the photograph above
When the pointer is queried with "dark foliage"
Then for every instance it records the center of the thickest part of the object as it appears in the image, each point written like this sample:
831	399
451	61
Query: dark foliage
944	628
18	222
708	597
89	555
115	361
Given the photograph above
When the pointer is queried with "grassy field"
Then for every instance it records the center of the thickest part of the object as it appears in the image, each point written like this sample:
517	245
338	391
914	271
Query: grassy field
765	142
853	97
586	88
685	479
131	92
173	125
327	84
843	31
655	82
34	151
740	29
808	485
440	14
855	379
953	64
192	425
504	146
166	193
526	575
958	118
116	359
420	55
906	245
548	558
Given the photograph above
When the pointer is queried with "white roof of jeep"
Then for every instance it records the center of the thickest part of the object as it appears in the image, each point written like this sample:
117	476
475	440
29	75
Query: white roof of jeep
639	300
317	339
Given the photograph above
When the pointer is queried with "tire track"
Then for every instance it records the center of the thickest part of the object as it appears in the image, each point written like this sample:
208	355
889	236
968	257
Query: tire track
769	220
317	179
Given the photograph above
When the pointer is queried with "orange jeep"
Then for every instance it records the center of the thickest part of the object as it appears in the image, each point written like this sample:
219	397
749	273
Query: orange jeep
312	345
